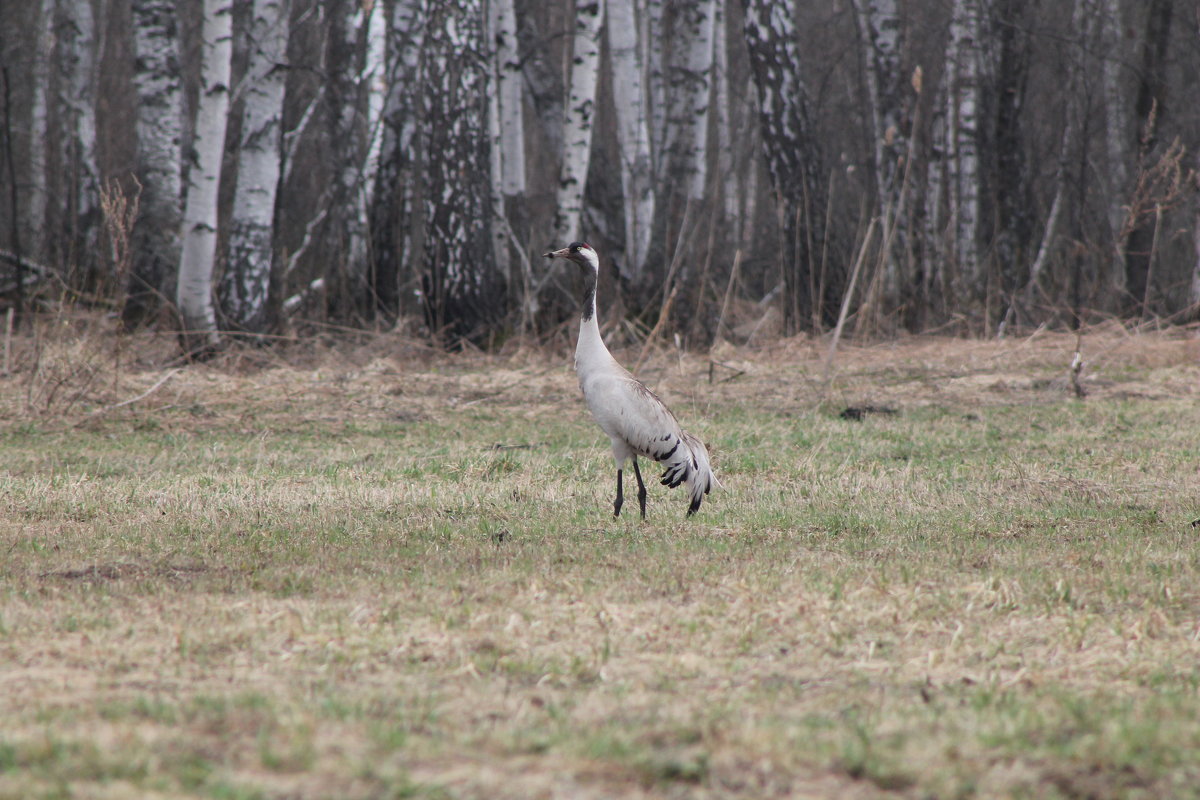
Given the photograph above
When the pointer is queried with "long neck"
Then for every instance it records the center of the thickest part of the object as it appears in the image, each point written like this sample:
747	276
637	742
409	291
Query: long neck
590	349
588	309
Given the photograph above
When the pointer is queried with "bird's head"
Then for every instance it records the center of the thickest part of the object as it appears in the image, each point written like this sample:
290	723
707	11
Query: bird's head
579	252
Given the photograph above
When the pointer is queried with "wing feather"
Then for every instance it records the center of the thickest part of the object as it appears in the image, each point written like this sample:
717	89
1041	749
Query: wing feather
633	415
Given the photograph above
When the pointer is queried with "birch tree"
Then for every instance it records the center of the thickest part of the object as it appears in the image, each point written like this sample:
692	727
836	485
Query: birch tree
724	118
693	90
680	82
509	93
580	112
62	213
347	132
246	281
963	95
1118	141
506	128
39	135
78	40
397	222
159	129
374	79
880	34
633	133
1149	109
199	232
790	146
879	30
655	45
461	290
543	75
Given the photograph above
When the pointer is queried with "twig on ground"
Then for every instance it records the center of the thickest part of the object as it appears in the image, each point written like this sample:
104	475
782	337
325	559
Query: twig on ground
140	397
713	364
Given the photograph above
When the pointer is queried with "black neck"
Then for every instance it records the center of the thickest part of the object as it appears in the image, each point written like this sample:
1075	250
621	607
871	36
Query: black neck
589	297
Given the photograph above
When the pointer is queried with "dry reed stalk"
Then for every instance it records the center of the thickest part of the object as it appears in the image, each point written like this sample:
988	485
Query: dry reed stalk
733	272
120	212
669	289
662	318
708	257
8	330
837	331
1158	217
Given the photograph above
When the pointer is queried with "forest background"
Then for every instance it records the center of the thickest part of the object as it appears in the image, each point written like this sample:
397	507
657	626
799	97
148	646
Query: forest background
250	168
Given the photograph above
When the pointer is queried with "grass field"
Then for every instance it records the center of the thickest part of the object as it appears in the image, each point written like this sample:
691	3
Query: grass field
369	574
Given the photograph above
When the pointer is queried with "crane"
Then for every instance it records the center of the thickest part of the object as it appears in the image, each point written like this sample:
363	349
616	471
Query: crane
637	422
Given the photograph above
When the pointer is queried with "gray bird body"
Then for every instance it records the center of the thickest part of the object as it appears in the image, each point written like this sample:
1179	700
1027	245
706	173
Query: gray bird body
636	421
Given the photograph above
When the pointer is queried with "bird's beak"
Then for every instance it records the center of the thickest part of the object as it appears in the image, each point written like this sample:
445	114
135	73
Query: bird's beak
564	253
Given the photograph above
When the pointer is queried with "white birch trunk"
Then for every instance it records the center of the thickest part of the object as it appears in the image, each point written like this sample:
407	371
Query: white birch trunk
879	34
653	38
633	133
496	151
199	230
879	30
864	17
510	97
790	146
80	54
577	127
963	98
460	287
159	128
506	128
160	97
39	134
1117	137
724	115
685	88
61	216
353	172
394	198
374	78
246	280
699	49
407	26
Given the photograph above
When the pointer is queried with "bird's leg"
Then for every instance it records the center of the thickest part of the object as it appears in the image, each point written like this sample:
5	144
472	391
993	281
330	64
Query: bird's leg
641	487
620	494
